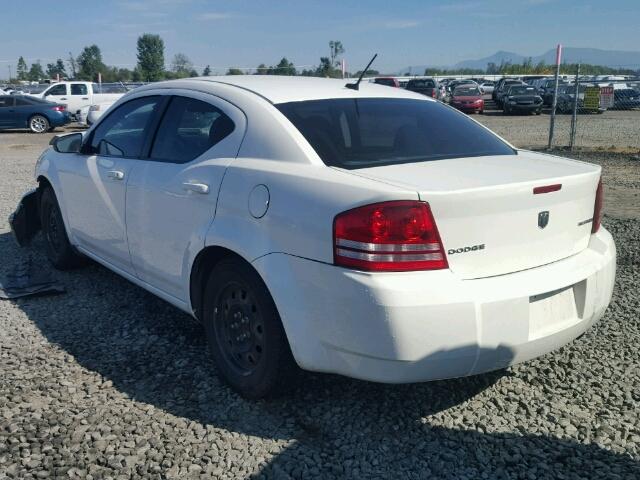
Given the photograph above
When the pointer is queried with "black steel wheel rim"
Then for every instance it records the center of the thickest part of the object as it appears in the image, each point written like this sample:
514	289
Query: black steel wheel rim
239	328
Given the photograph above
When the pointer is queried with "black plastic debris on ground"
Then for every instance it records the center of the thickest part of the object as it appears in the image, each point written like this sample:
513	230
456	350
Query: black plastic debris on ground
28	279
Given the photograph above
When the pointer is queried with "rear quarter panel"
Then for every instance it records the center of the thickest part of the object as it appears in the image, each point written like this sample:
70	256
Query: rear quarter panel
304	199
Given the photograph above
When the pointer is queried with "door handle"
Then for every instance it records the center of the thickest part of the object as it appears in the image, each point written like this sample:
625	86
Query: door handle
63	98
85	98
202	188
115	174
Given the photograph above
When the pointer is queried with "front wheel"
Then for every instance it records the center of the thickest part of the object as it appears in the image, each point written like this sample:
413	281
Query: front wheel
59	251
244	332
39	124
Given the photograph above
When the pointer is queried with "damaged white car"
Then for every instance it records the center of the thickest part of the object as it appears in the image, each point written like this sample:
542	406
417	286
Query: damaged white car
371	232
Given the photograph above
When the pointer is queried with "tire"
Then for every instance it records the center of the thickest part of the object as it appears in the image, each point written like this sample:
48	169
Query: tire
59	251
538	112
237	304
505	110
39	124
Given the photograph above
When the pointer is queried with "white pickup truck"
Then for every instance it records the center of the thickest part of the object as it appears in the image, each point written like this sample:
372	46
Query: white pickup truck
80	95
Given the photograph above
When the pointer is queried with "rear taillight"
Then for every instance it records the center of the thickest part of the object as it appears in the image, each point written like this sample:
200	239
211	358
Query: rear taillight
393	236
59	108
597	208
433	93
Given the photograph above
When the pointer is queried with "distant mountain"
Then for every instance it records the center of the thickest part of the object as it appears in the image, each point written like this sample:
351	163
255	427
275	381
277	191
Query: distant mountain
593	56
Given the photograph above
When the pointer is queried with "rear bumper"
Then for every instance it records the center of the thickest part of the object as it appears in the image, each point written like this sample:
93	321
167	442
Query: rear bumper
25	221
419	326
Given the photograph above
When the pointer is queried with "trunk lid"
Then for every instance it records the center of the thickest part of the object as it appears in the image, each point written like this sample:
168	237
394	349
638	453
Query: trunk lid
490	221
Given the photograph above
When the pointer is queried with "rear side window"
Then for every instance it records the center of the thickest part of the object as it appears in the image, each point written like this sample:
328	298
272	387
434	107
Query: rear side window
369	132
21	102
123	132
6	101
78	89
189	128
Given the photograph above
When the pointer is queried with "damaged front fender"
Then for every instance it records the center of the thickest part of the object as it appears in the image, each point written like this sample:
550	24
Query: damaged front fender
25	221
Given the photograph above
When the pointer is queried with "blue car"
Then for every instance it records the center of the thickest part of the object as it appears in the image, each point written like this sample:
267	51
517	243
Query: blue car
40	116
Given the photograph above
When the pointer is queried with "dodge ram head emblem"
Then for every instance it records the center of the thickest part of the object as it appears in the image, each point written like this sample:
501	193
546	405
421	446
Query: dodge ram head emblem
543	219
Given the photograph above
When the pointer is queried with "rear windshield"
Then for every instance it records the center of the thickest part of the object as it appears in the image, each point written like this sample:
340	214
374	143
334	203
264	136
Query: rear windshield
369	132
421	84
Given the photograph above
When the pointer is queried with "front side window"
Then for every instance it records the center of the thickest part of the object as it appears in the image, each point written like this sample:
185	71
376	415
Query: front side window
123	132
78	89
58	90
369	132
189	128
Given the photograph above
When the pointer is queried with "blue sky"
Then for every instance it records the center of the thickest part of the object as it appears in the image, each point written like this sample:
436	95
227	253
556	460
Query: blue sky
244	33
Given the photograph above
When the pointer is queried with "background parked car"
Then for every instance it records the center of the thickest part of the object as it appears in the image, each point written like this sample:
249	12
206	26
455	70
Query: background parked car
96	111
467	98
546	92
425	86
388	81
40	116
80	94
487	87
566	99
522	99
626	99
457	83
502	89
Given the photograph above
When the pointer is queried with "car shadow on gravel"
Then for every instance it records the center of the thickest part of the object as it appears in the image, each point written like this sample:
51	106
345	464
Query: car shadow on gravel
334	427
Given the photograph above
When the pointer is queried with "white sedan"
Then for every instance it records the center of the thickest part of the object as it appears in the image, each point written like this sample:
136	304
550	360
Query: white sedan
371	232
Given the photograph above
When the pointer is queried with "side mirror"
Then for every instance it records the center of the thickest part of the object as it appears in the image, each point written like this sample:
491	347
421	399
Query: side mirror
70	143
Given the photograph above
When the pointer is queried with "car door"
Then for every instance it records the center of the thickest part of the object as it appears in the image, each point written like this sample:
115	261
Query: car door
78	97
94	182
171	196
57	94
7	111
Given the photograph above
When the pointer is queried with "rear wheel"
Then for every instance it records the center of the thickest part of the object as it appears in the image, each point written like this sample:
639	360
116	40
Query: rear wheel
244	332
39	124
59	251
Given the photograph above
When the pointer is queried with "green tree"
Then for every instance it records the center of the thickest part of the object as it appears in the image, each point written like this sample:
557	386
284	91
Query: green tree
181	65
335	50
90	63
235	71
35	72
325	69
262	69
151	57
22	69
55	69
285	67
207	71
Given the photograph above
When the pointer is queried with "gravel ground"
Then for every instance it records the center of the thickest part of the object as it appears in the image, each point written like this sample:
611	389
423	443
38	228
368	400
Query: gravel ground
108	381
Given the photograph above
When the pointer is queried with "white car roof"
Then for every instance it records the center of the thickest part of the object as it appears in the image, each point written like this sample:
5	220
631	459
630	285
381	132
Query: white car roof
282	89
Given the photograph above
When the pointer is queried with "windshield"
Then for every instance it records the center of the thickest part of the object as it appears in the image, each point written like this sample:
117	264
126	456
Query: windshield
369	132
466	91
522	90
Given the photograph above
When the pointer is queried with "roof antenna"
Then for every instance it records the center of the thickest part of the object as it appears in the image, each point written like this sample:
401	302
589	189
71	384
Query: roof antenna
356	86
